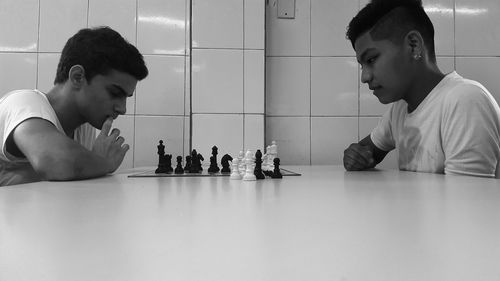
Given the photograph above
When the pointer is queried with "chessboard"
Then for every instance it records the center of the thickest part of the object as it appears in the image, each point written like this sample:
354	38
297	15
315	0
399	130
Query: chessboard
247	166
204	173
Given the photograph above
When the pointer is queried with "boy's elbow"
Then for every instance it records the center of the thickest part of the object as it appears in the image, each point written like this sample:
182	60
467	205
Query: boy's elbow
52	169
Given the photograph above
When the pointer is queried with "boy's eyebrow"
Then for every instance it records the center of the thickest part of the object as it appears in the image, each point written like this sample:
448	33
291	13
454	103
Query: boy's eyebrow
121	90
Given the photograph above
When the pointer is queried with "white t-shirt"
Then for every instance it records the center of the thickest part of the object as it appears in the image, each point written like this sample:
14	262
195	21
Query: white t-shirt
16	107
455	130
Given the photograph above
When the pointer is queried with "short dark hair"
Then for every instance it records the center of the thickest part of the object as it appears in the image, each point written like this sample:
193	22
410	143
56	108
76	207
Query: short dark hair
100	50
392	20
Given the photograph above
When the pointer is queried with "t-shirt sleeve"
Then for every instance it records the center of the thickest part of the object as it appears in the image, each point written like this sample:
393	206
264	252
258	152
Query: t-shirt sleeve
471	132
18	107
381	135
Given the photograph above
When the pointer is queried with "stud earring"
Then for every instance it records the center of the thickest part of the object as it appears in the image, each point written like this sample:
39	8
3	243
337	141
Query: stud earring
417	56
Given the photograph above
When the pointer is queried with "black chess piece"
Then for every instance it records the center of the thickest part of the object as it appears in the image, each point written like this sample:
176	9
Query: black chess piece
225	163
276	172
161	158
178	168
187	168
168	163
213	165
258	166
200	159
195	162
214	168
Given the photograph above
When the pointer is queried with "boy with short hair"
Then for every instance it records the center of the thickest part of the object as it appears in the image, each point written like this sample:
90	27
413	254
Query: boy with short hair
440	123
50	136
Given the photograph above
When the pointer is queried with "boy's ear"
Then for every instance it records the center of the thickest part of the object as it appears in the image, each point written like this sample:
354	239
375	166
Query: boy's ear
77	76
415	43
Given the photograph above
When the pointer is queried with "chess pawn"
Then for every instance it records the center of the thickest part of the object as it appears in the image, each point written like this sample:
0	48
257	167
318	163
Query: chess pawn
178	168
250	162
276	172
235	174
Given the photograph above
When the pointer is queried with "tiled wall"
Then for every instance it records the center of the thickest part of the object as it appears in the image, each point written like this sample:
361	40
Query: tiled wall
33	33
315	104
228	75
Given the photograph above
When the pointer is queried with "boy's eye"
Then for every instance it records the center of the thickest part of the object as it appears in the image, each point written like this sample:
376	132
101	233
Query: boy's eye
371	60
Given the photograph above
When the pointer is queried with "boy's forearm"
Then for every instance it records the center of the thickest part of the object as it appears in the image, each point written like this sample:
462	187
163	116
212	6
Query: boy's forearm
75	164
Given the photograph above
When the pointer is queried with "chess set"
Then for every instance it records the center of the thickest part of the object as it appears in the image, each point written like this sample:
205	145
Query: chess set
247	166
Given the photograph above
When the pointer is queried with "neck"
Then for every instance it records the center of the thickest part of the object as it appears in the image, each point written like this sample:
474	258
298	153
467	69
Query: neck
426	80
62	100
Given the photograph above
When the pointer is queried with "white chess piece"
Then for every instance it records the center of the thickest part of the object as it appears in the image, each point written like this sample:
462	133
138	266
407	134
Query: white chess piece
274	149
241	163
250	165
235	173
268	164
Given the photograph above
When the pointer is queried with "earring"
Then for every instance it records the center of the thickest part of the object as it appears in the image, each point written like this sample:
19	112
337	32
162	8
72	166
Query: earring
417	56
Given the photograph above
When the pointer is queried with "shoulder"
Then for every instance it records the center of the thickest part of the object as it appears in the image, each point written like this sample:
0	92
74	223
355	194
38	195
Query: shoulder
22	98
467	93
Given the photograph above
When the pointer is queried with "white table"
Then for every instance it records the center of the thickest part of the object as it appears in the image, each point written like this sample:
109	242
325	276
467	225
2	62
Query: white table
327	224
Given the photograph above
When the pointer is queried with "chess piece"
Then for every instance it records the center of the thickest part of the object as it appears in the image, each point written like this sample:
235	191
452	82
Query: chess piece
241	162
161	158
195	162
200	159
225	163
168	163
235	173
213	161
213	165
258	166
250	162
187	168
276	172
178	168
267	161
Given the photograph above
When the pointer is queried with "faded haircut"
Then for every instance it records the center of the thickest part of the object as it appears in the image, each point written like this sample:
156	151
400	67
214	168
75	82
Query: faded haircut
392	20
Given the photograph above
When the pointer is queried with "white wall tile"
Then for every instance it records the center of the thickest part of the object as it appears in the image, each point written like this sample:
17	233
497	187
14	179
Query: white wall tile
187	86
217	24
483	70
222	130
217	85
446	64
122	19
366	125
254	24
254	132
162	92
334	84
288	86
441	14
477	27
149	130
328	32
59	20
254	81
293	136
125	124
288	37
47	68
17	71
330	136
21	16
187	136
161	26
